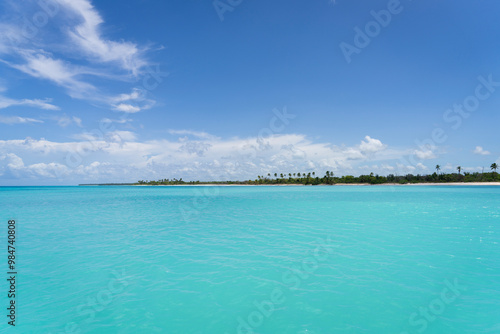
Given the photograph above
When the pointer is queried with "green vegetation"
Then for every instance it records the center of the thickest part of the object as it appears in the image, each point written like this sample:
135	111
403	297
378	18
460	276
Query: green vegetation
329	178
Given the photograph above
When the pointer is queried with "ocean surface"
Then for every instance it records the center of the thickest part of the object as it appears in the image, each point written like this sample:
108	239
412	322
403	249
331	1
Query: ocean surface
268	260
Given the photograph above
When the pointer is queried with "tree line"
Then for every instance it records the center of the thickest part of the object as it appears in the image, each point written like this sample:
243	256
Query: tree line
329	178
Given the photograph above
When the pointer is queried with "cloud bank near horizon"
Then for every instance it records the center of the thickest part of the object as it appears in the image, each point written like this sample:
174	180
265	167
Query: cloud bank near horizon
121	157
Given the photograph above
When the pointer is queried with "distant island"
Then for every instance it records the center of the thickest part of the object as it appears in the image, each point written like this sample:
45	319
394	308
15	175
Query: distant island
330	179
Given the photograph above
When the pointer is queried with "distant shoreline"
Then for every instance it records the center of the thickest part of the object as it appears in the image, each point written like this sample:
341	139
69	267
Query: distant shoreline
299	184
296	179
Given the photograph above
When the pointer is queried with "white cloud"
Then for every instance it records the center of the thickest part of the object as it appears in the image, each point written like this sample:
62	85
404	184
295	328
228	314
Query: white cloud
62	73
127	108
136	94
13	161
97	138
424	154
87	36
371	145
18	120
49	170
42	104
405	168
135	101
198	134
122	136
353	153
77	121
65	120
421	166
368	147
479	150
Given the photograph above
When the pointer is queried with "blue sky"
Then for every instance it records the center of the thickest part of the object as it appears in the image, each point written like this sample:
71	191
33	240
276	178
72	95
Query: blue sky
93	91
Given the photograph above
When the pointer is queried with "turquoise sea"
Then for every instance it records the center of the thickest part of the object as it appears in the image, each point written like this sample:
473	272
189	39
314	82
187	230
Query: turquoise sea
268	260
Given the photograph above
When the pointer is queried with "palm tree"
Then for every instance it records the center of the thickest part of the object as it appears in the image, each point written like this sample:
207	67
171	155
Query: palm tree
314	173
438	168
275	174
294	174
459	169
494	167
